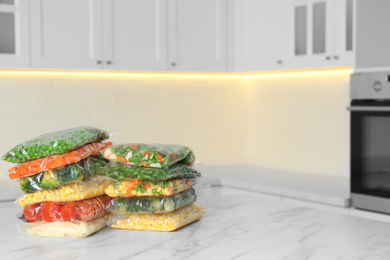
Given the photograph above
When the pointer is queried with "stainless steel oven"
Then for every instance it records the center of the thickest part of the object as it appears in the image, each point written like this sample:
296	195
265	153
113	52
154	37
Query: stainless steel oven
370	141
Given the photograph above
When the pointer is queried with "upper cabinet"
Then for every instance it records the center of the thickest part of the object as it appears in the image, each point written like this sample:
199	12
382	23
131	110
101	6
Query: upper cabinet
372	37
197	35
262	35
96	34
14	34
323	33
134	34
177	35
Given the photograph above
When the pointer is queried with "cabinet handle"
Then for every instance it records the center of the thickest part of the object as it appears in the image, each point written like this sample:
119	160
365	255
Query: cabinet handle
108	62
336	57
99	62
173	64
328	58
279	61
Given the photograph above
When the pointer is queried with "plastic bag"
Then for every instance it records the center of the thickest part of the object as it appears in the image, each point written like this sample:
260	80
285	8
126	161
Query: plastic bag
69	192
76	172
54	143
152	204
150	155
158	222
121	172
75	228
134	188
56	161
50	211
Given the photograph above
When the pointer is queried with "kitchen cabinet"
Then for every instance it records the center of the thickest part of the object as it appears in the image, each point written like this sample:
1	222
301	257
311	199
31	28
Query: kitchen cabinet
372	38
262	38
322	33
99	34
14	34
197	35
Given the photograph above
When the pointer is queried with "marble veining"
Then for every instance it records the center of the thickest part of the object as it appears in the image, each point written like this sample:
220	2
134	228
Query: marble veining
233	227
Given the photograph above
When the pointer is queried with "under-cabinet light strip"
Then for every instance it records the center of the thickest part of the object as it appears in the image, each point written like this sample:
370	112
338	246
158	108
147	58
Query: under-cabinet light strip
247	76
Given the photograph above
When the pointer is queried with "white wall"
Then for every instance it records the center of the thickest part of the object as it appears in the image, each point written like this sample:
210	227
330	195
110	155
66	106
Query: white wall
300	124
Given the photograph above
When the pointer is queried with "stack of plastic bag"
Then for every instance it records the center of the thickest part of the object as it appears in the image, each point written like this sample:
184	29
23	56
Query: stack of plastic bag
62	176
154	187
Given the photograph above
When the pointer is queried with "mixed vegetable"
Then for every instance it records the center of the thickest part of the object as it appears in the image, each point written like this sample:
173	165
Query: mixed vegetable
54	143
134	188
120	171
150	155
56	160
152	204
76	172
50	211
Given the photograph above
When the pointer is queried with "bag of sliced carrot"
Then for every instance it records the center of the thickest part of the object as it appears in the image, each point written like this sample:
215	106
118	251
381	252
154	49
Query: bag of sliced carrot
58	160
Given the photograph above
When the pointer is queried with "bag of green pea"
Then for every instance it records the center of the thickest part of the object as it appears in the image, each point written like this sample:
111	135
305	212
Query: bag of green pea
150	155
120	171
54	143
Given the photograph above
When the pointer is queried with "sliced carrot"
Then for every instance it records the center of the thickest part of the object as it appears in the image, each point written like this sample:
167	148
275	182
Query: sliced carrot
145	164
160	158
121	159
128	192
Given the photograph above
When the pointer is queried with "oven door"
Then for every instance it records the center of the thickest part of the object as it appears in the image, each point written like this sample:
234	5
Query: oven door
370	155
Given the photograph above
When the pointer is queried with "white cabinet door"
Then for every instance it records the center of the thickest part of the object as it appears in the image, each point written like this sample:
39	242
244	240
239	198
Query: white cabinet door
263	40
14	34
66	34
344	31
135	34
323	33
197	35
313	33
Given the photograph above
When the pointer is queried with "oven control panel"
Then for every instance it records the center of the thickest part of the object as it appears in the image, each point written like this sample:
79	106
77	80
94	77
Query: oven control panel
370	85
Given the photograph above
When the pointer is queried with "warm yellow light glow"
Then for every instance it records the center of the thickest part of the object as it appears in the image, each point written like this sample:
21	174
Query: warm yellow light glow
173	75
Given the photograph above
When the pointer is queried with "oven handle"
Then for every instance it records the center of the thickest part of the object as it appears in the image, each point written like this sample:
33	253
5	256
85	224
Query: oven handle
363	108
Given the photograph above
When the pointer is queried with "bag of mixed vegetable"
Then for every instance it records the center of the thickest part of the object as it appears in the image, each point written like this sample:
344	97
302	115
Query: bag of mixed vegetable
150	155
133	188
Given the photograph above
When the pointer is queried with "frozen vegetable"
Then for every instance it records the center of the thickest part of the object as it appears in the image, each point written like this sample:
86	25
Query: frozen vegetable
75	228
150	155
54	143
56	161
152	204
157	221
133	188
76	172
120	171
50	211
69	192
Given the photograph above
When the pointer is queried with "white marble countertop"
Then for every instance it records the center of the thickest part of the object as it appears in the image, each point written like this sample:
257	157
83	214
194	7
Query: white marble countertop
233	227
